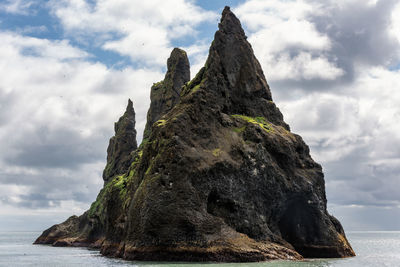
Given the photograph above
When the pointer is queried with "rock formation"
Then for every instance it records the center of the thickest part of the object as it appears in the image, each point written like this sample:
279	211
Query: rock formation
166	94
121	145
219	177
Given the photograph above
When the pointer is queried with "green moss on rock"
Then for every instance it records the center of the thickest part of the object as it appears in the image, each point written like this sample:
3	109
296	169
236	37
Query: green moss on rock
260	121
239	129
217	152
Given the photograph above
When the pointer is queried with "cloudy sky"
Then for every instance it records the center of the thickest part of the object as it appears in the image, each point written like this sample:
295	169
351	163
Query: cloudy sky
68	68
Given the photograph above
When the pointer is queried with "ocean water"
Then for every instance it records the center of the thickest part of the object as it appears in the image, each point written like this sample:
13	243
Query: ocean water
16	249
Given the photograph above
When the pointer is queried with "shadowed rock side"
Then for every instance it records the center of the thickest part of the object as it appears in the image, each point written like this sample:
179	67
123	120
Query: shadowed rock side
219	178
121	145
90	228
166	94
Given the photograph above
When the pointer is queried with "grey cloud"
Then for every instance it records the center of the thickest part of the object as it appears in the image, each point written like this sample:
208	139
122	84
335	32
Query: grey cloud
367	218
48	188
354	179
37	200
359	33
57	148
6	103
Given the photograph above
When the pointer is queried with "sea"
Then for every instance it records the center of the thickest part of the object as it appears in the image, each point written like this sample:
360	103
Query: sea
378	249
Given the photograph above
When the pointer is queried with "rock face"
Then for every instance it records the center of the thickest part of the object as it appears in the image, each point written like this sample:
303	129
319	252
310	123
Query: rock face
166	94
219	177
121	145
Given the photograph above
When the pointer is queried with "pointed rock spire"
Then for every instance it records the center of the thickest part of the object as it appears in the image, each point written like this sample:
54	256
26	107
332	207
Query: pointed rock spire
232	76
165	94
230	23
232	56
121	145
178	72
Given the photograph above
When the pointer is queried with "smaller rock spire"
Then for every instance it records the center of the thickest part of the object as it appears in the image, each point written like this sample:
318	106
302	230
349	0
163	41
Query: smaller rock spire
178	69
121	145
166	94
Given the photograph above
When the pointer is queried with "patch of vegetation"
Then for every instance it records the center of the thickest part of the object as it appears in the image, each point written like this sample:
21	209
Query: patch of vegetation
260	121
117	186
194	84
160	122
217	152
137	156
157	84
239	129
197	87
97	207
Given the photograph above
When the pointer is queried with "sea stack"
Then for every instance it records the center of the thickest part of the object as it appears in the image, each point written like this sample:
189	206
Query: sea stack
218	177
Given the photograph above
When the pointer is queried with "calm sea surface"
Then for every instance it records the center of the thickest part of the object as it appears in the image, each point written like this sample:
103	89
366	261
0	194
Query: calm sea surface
16	249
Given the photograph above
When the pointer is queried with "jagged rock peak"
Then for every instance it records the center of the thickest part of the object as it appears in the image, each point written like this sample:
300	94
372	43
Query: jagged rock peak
127	121
165	95
232	76
121	145
232	56
230	23
178	69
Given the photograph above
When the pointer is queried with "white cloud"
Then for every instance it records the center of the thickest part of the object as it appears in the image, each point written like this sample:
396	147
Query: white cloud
197	54
360	115
19	7
31	29
57	110
286	42
39	48
258	13
142	30
304	66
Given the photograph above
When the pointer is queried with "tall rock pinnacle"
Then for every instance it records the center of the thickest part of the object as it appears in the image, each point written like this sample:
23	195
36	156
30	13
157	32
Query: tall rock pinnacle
232	56
121	145
234	76
165	94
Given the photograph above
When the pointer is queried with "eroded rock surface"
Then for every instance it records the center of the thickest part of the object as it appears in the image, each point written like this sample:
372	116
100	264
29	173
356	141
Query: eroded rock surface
219	177
166	94
121	145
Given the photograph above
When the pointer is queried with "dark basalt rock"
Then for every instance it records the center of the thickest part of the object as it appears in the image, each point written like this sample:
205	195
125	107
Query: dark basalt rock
219	177
76	231
121	145
166	94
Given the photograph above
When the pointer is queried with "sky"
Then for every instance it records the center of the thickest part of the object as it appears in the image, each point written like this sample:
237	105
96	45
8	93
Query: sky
68	68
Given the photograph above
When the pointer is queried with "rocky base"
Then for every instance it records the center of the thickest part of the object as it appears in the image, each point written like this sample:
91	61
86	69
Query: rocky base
241	249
